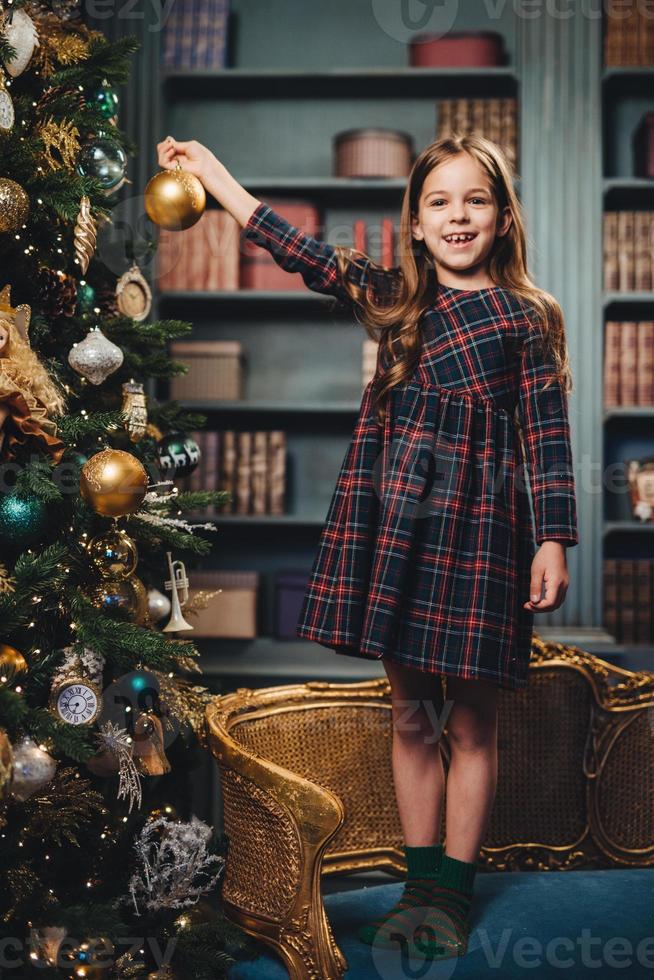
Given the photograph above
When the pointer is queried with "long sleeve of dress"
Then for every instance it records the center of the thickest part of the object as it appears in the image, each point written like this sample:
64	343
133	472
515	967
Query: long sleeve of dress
546	432
295	251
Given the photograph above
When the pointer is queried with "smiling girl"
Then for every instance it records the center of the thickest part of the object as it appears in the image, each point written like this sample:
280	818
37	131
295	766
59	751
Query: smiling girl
427	559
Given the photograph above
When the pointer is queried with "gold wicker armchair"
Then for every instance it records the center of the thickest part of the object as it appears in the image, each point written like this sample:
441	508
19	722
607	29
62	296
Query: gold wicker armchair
308	790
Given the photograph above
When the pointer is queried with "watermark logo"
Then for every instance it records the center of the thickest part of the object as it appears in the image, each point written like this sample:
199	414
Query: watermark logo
406	18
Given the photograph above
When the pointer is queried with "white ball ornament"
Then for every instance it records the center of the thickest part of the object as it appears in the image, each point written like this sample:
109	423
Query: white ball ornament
21	34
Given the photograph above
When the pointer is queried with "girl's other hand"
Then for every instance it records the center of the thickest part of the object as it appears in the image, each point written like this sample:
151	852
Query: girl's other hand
549	569
193	157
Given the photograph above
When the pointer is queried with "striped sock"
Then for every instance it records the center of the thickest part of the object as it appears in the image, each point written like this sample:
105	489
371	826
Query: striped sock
444	931
422	870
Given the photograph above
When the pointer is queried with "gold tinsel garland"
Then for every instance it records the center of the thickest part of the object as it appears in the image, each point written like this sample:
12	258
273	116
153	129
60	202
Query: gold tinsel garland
61	144
60	43
6	581
187	702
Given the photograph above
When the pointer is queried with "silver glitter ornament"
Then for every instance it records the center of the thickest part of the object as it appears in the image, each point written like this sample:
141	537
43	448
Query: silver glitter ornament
33	768
95	357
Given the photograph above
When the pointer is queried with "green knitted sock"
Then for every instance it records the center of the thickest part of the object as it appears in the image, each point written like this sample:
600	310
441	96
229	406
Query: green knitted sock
422	870
444	930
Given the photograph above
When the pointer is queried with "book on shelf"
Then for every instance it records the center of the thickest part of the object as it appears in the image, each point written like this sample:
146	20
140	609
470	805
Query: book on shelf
629	363
250	466
195	35
628	599
203	258
628	35
496	119
627	250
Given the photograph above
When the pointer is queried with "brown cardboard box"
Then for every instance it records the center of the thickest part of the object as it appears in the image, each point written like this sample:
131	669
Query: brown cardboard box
233	613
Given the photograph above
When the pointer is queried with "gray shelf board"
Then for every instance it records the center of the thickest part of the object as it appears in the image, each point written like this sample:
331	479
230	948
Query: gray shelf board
629	527
627	187
637	80
628	297
267	657
351	83
245	297
281	520
325	187
279	408
629	412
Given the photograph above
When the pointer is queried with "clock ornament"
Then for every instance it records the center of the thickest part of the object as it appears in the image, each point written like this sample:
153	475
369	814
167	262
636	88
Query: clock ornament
76	700
133	295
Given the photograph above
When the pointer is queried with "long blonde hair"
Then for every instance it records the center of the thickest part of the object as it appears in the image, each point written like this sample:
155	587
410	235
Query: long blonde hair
21	365
396	323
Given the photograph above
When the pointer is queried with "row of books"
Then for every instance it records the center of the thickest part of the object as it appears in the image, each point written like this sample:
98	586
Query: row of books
195	34
629	34
629	362
250	465
629	599
496	119
208	256
204	257
628	237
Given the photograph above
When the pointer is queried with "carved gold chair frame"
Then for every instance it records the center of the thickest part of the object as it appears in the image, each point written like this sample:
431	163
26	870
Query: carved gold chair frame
307	789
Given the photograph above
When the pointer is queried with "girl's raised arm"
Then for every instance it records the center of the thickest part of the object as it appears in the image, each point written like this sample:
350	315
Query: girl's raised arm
293	250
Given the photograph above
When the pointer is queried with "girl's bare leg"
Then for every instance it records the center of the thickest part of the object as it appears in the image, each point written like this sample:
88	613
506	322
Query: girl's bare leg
417	706
472	774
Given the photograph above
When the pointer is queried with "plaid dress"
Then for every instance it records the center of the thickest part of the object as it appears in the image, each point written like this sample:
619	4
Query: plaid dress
425	555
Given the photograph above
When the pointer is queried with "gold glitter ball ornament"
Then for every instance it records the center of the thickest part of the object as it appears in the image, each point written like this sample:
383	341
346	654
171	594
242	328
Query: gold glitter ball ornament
113	483
12	664
174	199
14	205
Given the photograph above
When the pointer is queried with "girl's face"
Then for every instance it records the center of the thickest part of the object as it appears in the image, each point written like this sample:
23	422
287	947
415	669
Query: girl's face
4	339
456	198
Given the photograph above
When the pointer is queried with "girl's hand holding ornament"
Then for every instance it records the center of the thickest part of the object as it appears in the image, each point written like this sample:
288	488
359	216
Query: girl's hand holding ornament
193	157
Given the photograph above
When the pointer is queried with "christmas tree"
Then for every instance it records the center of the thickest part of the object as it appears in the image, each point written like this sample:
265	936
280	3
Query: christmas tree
100	705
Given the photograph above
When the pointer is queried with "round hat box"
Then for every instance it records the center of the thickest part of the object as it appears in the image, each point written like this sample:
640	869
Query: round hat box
373	152
458	49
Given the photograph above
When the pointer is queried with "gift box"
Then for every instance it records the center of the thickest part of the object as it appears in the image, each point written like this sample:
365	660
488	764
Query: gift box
258	268
372	152
290	587
233	613
215	370
457	49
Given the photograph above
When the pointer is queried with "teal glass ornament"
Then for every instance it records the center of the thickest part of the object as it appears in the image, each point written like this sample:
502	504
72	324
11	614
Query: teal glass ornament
106	100
22	519
86	297
104	160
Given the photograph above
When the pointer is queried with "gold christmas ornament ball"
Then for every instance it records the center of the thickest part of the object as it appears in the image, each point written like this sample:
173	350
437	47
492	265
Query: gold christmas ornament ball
113	483
115	596
6	764
14	205
140	594
12	664
174	199
113	553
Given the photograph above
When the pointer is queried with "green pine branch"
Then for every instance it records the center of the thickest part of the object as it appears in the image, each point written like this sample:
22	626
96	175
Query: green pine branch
159	536
106	59
123	643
